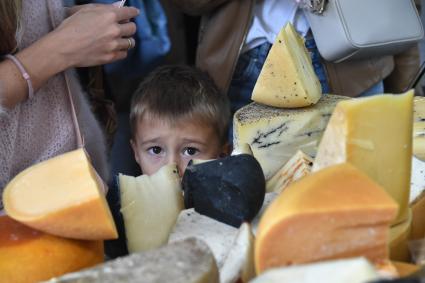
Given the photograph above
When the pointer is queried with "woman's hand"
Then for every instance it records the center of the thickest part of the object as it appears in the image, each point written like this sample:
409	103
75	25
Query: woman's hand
95	35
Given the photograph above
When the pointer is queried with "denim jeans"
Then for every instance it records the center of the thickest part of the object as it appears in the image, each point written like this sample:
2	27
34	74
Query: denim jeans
248	69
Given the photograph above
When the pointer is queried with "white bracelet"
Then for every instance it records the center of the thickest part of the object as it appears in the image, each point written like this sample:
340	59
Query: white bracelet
24	73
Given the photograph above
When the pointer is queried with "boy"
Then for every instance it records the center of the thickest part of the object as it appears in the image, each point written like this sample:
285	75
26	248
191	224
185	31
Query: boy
177	114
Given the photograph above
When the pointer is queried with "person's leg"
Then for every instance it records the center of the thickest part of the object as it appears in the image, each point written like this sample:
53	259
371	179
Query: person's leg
318	67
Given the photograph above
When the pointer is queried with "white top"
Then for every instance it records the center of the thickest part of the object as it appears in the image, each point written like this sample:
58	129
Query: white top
270	16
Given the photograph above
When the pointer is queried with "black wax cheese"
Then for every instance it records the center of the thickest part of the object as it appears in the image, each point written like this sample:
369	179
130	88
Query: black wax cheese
230	190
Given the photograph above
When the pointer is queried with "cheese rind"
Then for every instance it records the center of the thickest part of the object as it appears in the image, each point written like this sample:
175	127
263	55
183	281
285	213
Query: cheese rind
275	135
62	196
189	261
375	135
287	79
150	206
337	212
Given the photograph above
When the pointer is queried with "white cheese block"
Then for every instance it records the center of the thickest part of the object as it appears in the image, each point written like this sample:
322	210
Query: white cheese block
150	206
355	270
417	181
239	263
297	167
189	261
275	135
287	79
218	236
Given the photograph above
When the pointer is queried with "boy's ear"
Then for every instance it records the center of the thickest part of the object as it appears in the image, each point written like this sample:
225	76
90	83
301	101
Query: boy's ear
134	147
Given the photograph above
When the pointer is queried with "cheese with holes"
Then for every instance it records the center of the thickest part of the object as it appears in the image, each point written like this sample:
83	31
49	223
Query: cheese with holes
150	206
297	167
287	79
353	270
62	196
338	212
28	255
217	235
375	135
275	135
419	127
189	261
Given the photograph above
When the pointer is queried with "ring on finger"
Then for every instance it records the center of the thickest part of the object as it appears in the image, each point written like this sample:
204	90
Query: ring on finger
130	43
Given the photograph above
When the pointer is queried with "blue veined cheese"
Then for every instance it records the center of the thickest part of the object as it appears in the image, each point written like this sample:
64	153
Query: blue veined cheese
287	79
419	127
276	134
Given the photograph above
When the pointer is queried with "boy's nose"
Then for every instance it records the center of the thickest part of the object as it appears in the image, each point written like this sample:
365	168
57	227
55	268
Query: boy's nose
179	162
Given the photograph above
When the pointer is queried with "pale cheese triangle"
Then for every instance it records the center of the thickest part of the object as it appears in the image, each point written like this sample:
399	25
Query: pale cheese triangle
62	196
150	206
287	79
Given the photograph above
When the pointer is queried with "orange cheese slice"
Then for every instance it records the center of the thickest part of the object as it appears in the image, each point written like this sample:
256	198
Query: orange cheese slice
28	255
338	212
62	196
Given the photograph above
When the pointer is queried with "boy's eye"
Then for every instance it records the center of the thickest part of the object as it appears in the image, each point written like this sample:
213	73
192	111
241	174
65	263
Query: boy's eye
190	151
155	150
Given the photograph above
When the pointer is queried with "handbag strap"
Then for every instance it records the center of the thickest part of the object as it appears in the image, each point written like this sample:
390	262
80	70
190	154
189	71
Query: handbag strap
80	139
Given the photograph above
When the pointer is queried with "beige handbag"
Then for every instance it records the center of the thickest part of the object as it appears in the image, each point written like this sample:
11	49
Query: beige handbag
358	29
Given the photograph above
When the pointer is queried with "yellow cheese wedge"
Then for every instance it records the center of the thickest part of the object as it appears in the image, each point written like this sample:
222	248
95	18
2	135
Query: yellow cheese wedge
28	255
375	135
287	79
419	127
150	206
399	236
296	168
338	212
62	196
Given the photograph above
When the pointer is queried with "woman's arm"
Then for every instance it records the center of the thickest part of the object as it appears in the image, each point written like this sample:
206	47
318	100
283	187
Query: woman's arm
93	35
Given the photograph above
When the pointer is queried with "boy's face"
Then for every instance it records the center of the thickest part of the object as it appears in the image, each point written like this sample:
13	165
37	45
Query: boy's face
158	143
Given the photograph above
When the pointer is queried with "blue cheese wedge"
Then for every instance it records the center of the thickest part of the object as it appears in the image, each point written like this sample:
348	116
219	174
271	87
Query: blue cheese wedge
276	134
287	79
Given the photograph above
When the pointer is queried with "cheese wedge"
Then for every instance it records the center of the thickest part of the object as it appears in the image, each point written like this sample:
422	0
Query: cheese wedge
399	236
188	261
297	167
287	79
419	127
28	255
62	196
239	262
355	270
375	135
150	206
217	235
275	135
338	212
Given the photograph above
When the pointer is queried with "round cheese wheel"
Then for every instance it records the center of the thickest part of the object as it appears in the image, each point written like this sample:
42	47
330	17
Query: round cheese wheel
28	255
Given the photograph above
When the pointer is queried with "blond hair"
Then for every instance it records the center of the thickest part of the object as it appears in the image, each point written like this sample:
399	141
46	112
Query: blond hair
10	14
178	92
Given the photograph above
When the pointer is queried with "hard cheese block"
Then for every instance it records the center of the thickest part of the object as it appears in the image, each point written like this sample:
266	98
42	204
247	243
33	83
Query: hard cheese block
217	235
275	135
419	127
296	168
375	135
62	196
28	255
189	261
355	270
287	79
338	212
150	206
